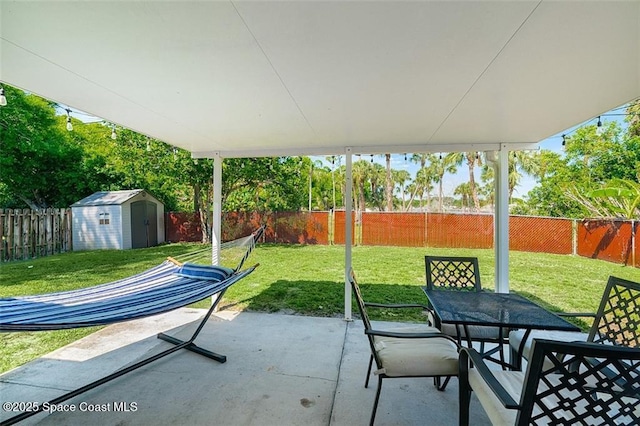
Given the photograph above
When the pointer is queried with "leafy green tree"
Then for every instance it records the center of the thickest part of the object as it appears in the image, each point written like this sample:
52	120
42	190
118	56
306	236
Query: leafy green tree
40	166
590	161
618	198
549	198
264	184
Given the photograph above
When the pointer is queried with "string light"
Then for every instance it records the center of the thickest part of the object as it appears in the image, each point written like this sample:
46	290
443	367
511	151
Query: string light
371	158
599	129
69	125
564	140
113	132
3	99
405	156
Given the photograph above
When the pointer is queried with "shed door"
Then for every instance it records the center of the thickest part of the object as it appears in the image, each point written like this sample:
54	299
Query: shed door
144	228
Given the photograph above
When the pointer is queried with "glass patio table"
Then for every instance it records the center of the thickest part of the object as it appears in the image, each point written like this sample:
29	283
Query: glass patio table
504	310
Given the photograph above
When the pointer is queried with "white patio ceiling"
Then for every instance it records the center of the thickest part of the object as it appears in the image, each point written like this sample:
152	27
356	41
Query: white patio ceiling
274	78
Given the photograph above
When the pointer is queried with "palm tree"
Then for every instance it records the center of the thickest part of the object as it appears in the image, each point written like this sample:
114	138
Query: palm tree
519	162
424	184
442	165
464	190
472	159
376	174
400	178
360	176
389	183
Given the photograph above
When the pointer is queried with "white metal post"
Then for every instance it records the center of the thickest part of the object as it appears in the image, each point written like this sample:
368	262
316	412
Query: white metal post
348	231
216	221
216	225
501	221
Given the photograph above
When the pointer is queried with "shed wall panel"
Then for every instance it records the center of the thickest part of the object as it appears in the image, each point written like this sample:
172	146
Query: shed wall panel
89	234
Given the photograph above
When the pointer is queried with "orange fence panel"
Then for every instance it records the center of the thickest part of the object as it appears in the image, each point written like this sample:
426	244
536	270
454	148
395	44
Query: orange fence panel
611	240
459	230
339	226
393	229
605	239
541	234
182	227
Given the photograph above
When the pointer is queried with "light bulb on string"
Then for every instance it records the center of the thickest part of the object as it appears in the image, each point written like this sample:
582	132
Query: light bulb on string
599	128
69	125
372	158
148	145
405	156
3	98
564	141
113	132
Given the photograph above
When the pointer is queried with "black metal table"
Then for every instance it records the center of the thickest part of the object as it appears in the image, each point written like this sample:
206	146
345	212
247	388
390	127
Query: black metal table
505	310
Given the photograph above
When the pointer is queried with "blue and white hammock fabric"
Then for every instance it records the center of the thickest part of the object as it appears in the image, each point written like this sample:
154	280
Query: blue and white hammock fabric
157	290
160	289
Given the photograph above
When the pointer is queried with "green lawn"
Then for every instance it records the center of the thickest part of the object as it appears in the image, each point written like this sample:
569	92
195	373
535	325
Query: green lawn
306	280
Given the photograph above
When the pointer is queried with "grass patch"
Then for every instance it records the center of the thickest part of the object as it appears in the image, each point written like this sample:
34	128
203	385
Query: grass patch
305	280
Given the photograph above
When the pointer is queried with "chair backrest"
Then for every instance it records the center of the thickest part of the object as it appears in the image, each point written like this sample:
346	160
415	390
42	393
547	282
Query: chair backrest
452	273
363	313
359	300
585	382
618	318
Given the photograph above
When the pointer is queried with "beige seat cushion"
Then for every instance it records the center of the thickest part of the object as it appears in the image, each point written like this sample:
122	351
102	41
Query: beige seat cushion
515	337
417	357
511	380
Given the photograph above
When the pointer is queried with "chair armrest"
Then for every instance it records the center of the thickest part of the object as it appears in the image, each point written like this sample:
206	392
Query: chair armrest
401	335
576	314
402	305
469	354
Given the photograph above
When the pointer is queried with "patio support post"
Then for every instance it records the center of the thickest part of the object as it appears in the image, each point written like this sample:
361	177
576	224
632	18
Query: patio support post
216	227
501	220
216	222
348	232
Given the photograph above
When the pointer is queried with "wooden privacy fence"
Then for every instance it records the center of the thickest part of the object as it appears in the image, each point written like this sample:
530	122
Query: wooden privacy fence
34	233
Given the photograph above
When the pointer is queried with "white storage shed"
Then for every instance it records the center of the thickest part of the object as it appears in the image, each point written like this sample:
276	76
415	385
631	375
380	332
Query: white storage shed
117	220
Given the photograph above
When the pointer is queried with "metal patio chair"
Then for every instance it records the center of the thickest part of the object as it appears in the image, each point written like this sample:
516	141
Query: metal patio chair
456	273
565	383
616	321
405	351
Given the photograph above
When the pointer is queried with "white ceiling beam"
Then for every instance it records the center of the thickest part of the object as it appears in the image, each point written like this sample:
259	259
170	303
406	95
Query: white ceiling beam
365	150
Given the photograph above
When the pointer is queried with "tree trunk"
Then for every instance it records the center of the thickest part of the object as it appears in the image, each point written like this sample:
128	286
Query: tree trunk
440	195
472	183
389	184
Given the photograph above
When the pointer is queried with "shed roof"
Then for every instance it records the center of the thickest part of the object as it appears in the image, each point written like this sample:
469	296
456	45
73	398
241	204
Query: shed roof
108	198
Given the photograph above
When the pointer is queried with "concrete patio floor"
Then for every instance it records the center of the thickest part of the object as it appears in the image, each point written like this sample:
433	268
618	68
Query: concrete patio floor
280	370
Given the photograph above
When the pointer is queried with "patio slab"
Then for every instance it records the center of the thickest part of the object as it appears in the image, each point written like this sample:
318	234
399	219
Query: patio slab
280	370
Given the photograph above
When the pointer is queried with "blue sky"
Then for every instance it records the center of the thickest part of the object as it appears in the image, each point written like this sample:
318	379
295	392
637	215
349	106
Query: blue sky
553	143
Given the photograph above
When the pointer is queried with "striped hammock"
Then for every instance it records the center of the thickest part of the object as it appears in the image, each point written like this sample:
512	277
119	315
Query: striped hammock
163	288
